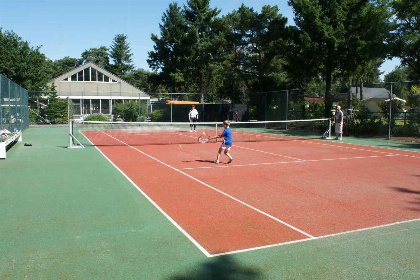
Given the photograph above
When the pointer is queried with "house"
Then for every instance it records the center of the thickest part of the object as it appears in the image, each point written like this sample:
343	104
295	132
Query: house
94	90
370	97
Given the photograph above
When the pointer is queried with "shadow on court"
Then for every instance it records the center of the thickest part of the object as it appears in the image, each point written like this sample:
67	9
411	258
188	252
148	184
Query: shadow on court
415	204
221	268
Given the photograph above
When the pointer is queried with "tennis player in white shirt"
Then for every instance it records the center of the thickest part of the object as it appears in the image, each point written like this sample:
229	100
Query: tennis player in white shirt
193	117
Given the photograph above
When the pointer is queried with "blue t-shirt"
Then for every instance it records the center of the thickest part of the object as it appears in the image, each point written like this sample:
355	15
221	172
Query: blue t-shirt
227	133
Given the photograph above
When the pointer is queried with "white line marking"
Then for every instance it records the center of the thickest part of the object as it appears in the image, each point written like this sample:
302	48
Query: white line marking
204	251
284	162
350	146
315	238
269	153
213	188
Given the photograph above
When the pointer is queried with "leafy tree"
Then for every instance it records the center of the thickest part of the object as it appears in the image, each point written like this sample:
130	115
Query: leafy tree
24	64
340	36
407	39
99	56
140	79
120	54
129	111
399	74
65	65
396	108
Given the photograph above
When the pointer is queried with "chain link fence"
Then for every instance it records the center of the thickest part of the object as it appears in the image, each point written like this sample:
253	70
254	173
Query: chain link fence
14	115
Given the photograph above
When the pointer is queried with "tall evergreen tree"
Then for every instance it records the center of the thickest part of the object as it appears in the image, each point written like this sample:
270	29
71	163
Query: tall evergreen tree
169	49
200	20
259	42
120	54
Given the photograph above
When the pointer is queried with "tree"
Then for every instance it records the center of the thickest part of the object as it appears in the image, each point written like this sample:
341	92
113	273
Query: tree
258	43
120	54
200	19
340	36
399	74
65	65
99	56
407	37
140	79
57	110
24	64
168	54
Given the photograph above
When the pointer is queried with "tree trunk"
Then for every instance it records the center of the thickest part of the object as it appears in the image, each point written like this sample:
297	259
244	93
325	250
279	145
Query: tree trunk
349	97
201	88
328	97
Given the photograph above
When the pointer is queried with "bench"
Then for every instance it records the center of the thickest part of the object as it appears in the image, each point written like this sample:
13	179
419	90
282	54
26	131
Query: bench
15	137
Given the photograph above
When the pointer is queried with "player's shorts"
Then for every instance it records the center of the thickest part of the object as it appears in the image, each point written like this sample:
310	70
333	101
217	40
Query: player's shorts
225	147
338	128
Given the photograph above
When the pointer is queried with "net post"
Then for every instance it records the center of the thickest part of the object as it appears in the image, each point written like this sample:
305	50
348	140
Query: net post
70	133
72	146
329	129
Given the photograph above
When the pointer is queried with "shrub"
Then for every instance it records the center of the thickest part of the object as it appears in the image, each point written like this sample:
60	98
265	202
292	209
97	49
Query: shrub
96	117
157	115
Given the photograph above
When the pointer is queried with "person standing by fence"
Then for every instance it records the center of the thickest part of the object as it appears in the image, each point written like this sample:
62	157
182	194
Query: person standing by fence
339	121
193	117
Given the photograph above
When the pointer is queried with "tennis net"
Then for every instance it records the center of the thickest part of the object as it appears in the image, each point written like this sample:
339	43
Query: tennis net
87	133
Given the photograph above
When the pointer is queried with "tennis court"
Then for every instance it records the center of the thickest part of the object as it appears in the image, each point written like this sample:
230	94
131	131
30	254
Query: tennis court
287	208
277	191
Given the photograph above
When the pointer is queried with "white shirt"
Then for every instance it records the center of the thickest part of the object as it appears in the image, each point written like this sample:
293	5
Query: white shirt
193	113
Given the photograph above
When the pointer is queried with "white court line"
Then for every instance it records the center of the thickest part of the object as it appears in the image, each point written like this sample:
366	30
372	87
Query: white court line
244	250
204	251
269	153
213	188
283	162
346	146
315	238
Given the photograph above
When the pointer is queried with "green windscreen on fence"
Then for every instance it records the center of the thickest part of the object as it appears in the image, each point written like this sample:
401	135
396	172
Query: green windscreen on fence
14	114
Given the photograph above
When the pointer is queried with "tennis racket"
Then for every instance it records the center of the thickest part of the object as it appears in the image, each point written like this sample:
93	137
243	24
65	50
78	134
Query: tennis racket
204	139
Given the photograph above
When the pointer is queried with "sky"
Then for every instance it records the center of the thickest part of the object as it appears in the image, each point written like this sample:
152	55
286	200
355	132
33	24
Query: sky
67	28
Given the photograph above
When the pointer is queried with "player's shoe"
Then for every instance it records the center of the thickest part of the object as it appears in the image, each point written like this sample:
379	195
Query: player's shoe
216	161
230	160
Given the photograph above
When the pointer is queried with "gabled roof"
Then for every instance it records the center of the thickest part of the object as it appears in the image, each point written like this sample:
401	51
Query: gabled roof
96	67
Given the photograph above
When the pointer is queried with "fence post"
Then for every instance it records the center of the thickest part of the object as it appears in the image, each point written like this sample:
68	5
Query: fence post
390	115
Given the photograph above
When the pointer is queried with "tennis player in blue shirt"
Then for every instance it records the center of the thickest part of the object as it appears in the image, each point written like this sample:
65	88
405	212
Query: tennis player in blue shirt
227	142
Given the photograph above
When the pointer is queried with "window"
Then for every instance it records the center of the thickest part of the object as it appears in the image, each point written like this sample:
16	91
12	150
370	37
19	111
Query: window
100	77
95	106
74	78
93	77
80	76
86	106
106	79
87	75
76	106
104	106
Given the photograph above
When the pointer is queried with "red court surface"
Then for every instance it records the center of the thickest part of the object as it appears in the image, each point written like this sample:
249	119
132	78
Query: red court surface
273	192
